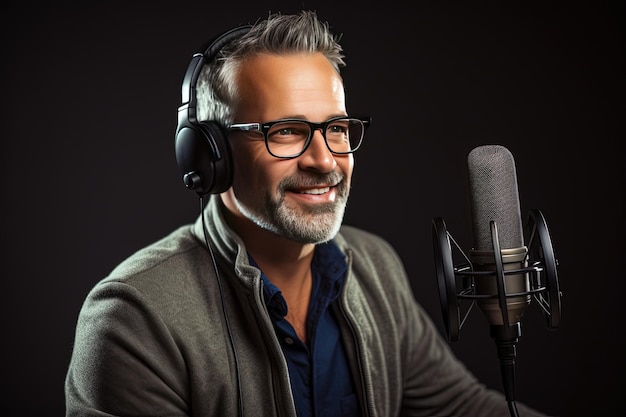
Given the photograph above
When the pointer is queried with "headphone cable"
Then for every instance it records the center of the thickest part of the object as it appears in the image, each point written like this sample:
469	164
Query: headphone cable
224	312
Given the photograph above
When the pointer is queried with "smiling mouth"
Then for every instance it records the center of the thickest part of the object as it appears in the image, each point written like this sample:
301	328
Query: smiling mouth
315	191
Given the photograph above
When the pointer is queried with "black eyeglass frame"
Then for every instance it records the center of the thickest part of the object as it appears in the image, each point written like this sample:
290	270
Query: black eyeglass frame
264	128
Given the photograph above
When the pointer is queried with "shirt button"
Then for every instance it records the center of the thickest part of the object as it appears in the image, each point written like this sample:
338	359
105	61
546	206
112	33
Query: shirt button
289	340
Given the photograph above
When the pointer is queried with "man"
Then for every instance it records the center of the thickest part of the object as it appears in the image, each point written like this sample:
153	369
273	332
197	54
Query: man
267	306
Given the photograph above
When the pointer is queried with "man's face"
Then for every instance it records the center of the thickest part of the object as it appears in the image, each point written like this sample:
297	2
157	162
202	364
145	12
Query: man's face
302	199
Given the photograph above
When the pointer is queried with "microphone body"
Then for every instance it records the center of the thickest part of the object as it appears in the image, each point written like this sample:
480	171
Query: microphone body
498	251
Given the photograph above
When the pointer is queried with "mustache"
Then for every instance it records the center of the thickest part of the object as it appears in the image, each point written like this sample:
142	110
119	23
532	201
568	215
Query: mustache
311	180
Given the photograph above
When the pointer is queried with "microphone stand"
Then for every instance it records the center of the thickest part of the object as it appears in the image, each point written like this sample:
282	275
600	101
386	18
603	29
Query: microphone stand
506	340
507	334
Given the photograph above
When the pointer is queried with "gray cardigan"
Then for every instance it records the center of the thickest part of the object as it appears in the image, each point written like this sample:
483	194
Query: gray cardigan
158	337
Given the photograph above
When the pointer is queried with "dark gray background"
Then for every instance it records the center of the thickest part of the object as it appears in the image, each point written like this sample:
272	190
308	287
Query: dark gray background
90	94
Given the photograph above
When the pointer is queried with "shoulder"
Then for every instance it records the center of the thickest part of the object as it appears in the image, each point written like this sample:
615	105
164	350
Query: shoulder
166	253
364	242
157	271
372	257
151	281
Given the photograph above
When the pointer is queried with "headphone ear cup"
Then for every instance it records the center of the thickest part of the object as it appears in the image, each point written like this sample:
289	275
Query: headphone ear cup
204	158
202	149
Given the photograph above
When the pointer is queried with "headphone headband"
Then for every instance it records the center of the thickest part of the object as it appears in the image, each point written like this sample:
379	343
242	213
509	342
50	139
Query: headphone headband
198	60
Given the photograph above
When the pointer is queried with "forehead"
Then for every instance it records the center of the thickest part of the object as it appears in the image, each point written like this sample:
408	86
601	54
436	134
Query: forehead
290	85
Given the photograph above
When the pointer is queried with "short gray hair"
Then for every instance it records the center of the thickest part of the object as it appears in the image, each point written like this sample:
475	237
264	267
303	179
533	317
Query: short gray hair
279	34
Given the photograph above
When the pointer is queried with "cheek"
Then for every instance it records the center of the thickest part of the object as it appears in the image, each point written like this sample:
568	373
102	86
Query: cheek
255	171
245	167
346	165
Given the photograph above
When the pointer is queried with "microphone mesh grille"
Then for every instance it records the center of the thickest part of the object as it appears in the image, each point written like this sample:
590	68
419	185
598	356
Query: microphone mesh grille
494	196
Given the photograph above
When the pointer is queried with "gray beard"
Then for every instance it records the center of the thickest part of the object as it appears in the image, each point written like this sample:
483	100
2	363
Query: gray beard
316	224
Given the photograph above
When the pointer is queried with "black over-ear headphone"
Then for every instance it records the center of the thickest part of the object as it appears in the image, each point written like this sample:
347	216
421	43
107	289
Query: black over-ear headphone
202	150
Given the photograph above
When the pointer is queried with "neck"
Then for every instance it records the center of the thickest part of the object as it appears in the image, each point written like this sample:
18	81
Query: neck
286	263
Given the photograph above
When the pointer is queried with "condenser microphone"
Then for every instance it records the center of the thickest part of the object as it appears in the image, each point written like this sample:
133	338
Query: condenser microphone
501	274
498	249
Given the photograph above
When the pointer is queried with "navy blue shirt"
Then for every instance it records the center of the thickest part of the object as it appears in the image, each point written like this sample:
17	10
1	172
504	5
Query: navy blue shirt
321	381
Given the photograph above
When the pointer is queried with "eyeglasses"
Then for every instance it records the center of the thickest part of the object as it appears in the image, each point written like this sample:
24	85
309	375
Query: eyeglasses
289	138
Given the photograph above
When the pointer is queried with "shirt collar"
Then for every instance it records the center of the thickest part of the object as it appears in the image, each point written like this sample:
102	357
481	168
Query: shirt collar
328	267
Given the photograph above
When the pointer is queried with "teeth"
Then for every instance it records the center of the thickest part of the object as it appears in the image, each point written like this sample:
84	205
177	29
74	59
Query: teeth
316	191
